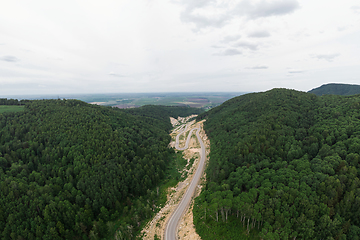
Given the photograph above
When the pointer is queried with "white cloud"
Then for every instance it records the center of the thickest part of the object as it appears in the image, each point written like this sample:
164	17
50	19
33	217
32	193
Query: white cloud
266	8
295	71
215	15
230	38
191	5
10	58
356	9
342	28
328	57
203	21
116	75
248	45
204	14
259	34
229	52
216	46
259	67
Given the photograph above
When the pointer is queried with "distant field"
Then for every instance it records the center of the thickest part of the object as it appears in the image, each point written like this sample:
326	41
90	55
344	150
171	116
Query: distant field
10	108
131	100
199	100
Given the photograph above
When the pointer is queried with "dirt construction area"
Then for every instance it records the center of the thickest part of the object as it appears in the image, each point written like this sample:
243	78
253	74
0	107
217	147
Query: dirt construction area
186	229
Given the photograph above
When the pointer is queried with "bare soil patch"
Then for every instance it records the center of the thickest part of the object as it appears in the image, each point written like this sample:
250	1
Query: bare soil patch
180	120
97	103
198	100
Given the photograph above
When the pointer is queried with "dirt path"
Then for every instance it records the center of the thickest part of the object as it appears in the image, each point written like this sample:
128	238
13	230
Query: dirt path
186	227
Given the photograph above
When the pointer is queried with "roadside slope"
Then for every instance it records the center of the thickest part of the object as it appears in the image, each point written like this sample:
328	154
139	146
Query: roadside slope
192	154
172	225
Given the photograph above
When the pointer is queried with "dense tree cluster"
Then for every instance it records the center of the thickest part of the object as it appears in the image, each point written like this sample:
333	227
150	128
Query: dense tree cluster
162	113
337	89
67	168
5	101
284	163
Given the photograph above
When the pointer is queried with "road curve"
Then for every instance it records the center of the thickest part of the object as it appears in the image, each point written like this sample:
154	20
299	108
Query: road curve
172	224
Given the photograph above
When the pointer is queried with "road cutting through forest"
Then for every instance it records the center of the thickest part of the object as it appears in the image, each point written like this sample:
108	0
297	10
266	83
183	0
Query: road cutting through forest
173	223
175	219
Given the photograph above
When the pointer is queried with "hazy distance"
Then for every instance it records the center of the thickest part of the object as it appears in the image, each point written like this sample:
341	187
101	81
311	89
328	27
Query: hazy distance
69	47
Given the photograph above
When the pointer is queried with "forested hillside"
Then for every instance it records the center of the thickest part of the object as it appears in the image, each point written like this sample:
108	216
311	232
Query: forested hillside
283	165
162	113
336	89
67	168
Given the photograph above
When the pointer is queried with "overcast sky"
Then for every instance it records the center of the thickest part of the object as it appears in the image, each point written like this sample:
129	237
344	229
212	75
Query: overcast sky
115	46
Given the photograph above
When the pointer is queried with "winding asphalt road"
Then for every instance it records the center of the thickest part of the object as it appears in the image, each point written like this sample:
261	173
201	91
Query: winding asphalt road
172	224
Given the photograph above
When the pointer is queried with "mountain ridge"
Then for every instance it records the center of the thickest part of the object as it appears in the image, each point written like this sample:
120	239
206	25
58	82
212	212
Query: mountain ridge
336	89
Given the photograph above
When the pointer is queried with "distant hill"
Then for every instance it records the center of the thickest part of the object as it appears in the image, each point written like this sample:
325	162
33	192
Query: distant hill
336	89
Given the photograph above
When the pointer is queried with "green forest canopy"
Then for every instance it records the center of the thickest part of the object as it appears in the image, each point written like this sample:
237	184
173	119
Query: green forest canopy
67	168
336	89
284	164
162	113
